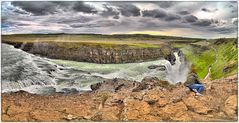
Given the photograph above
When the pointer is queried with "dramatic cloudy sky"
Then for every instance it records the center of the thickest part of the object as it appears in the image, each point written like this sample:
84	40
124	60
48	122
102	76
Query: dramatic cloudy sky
191	19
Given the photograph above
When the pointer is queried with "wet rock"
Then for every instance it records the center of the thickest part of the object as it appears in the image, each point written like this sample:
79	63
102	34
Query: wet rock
230	106
139	87
171	58
45	90
95	86
158	67
114	85
67	91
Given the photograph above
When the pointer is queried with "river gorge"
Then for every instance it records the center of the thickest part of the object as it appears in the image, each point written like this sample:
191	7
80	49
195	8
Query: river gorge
36	74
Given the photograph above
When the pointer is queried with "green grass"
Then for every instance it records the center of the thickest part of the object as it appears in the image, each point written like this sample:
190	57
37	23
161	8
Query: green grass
202	58
106	41
227	56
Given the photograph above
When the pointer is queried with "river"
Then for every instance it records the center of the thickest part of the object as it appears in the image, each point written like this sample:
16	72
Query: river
24	71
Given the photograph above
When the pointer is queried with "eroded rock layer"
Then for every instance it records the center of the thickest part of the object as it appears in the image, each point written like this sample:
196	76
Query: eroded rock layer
95	53
122	100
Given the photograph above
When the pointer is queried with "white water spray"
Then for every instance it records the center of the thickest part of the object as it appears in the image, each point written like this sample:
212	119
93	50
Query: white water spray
179	71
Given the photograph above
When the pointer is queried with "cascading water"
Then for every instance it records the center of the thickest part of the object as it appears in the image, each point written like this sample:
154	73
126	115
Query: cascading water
179	71
24	71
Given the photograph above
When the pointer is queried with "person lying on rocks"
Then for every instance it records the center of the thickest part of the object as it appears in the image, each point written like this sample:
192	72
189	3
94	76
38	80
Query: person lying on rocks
194	84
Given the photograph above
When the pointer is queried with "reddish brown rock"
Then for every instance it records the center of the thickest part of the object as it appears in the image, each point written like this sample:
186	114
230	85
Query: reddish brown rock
230	106
196	105
150	104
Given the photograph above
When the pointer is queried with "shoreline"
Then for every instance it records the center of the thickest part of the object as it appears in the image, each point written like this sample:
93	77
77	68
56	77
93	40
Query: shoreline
122	100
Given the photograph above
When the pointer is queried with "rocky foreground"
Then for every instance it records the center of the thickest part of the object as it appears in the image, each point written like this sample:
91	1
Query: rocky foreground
121	100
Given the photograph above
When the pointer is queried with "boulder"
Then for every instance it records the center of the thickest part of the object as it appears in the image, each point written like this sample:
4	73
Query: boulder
95	86
110	113
196	105
158	67
230	106
134	109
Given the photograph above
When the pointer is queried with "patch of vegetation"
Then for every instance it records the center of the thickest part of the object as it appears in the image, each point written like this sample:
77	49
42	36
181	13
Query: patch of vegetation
107	41
227	59
103	96
203	55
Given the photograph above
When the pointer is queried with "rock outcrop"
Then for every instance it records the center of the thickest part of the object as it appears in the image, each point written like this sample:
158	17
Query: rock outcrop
95	53
122	100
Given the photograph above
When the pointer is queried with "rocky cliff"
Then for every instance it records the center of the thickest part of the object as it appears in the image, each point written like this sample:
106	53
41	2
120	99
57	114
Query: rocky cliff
96	53
123	100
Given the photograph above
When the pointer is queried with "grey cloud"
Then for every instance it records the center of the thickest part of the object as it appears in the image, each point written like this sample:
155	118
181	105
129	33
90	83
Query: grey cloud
50	7
128	10
20	11
36	8
223	30
171	17
22	24
191	18
101	23
110	11
165	4
235	21
209	10
82	7
203	22
154	13
183	13
80	19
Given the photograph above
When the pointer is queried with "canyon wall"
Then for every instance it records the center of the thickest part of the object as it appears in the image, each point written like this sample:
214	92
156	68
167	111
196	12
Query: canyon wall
96	54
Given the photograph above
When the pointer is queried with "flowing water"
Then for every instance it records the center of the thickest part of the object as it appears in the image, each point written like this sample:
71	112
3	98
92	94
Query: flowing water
24	71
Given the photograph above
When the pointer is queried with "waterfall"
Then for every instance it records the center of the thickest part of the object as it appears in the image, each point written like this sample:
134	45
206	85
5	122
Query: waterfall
24	71
179	71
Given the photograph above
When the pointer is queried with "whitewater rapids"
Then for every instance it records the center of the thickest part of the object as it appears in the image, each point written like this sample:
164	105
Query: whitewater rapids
24	71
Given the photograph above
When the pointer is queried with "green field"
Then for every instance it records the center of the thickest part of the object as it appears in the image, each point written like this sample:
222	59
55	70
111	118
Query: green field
74	40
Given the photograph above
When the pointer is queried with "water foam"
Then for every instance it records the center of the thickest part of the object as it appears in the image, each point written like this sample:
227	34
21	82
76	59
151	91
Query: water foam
24	71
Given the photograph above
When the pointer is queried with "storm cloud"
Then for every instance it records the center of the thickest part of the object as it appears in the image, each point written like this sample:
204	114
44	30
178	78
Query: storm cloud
209	10
110	12
203	22
128	10
193	19
154	13
190	18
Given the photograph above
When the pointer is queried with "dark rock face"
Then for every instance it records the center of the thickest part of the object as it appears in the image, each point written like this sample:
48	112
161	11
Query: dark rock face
121	84
96	54
158	67
113	85
171	58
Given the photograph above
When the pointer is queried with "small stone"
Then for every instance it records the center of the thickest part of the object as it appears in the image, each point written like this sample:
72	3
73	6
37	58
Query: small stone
70	117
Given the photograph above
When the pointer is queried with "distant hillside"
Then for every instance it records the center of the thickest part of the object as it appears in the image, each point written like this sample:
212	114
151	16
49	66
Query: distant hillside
127	36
